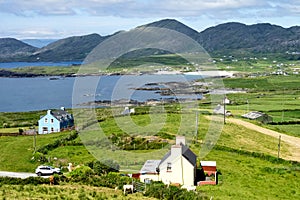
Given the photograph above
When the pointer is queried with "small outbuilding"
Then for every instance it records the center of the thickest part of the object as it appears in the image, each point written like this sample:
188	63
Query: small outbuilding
209	168
219	110
259	116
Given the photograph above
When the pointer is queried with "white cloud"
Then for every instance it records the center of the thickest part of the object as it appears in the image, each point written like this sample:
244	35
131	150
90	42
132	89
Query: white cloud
147	8
60	18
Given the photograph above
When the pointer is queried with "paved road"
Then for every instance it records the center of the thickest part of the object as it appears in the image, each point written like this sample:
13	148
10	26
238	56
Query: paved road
17	174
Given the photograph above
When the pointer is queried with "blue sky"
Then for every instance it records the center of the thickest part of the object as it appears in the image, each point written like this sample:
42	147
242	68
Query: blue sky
62	18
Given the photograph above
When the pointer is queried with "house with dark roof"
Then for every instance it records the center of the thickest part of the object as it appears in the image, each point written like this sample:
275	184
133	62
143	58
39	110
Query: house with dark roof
178	166
55	121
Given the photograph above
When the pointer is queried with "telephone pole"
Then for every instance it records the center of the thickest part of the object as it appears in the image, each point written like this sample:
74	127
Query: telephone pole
279	139
224	104
196	134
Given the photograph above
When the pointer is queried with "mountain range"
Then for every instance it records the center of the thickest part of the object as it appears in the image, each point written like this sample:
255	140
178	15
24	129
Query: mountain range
229	38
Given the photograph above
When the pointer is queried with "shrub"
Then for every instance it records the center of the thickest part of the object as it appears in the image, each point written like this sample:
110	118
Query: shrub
39	157
104	167
160	191
81	174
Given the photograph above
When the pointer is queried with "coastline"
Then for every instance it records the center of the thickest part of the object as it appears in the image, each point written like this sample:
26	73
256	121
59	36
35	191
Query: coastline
9	73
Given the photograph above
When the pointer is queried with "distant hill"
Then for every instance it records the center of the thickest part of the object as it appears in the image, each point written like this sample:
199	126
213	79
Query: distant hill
11	48
175	25
68	49
258	38
39	43
229	38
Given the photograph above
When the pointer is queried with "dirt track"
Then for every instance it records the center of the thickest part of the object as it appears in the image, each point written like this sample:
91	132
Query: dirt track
294	142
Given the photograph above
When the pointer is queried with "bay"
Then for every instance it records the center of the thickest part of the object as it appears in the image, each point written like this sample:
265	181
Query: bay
42	93
7	65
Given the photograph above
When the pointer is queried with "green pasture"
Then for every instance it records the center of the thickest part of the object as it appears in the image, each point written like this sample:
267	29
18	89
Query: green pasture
243	176
258	65
45	70
69	191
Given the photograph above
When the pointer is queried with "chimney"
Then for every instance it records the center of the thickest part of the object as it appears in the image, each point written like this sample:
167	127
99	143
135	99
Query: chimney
180	140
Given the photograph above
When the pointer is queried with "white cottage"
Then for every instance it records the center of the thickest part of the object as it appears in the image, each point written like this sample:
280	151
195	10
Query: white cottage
178	166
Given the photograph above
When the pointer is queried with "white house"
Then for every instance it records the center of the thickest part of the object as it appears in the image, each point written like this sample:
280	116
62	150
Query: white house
178	166
128	111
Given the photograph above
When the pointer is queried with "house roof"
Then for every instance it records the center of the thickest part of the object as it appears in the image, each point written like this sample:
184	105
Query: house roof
208	163
59	113
253	115
219	110
185	152
150	166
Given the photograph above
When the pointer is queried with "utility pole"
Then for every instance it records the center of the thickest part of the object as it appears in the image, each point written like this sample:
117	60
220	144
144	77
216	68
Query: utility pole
224	104
279	146
34	140
196	126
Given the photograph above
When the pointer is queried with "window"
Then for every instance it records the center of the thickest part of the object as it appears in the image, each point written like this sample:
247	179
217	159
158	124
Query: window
46	120
169	166
52	129
52	121
45	129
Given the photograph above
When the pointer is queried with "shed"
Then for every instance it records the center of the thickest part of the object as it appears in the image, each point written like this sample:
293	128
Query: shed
259	116
210	170
149	171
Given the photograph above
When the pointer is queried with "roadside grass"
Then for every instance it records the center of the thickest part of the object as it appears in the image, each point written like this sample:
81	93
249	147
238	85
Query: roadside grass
239	137
69	191
292	130
17	151
13	130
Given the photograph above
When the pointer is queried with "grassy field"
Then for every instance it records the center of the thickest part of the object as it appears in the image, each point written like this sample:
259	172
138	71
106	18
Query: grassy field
64	192
243	176
54	71
277	96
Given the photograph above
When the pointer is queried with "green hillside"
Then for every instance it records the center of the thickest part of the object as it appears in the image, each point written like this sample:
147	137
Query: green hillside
244	174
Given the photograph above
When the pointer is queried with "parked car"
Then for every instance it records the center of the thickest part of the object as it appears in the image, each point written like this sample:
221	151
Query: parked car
47	170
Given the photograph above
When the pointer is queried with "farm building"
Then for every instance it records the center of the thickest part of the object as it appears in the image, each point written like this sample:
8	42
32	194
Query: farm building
149	171
219	110
210	171
259	116
178	166
55	121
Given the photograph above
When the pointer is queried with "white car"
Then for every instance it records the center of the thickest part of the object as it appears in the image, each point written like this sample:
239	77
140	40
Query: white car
47	170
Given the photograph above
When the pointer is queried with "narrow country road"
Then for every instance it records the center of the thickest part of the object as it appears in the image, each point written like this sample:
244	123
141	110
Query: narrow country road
294	142
22	175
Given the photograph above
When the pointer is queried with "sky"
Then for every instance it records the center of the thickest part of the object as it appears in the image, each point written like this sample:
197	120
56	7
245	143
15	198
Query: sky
54	19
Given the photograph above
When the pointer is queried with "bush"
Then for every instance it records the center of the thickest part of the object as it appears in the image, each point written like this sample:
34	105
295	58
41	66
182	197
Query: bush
104	167
81	174
26	181
39	157
160	191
